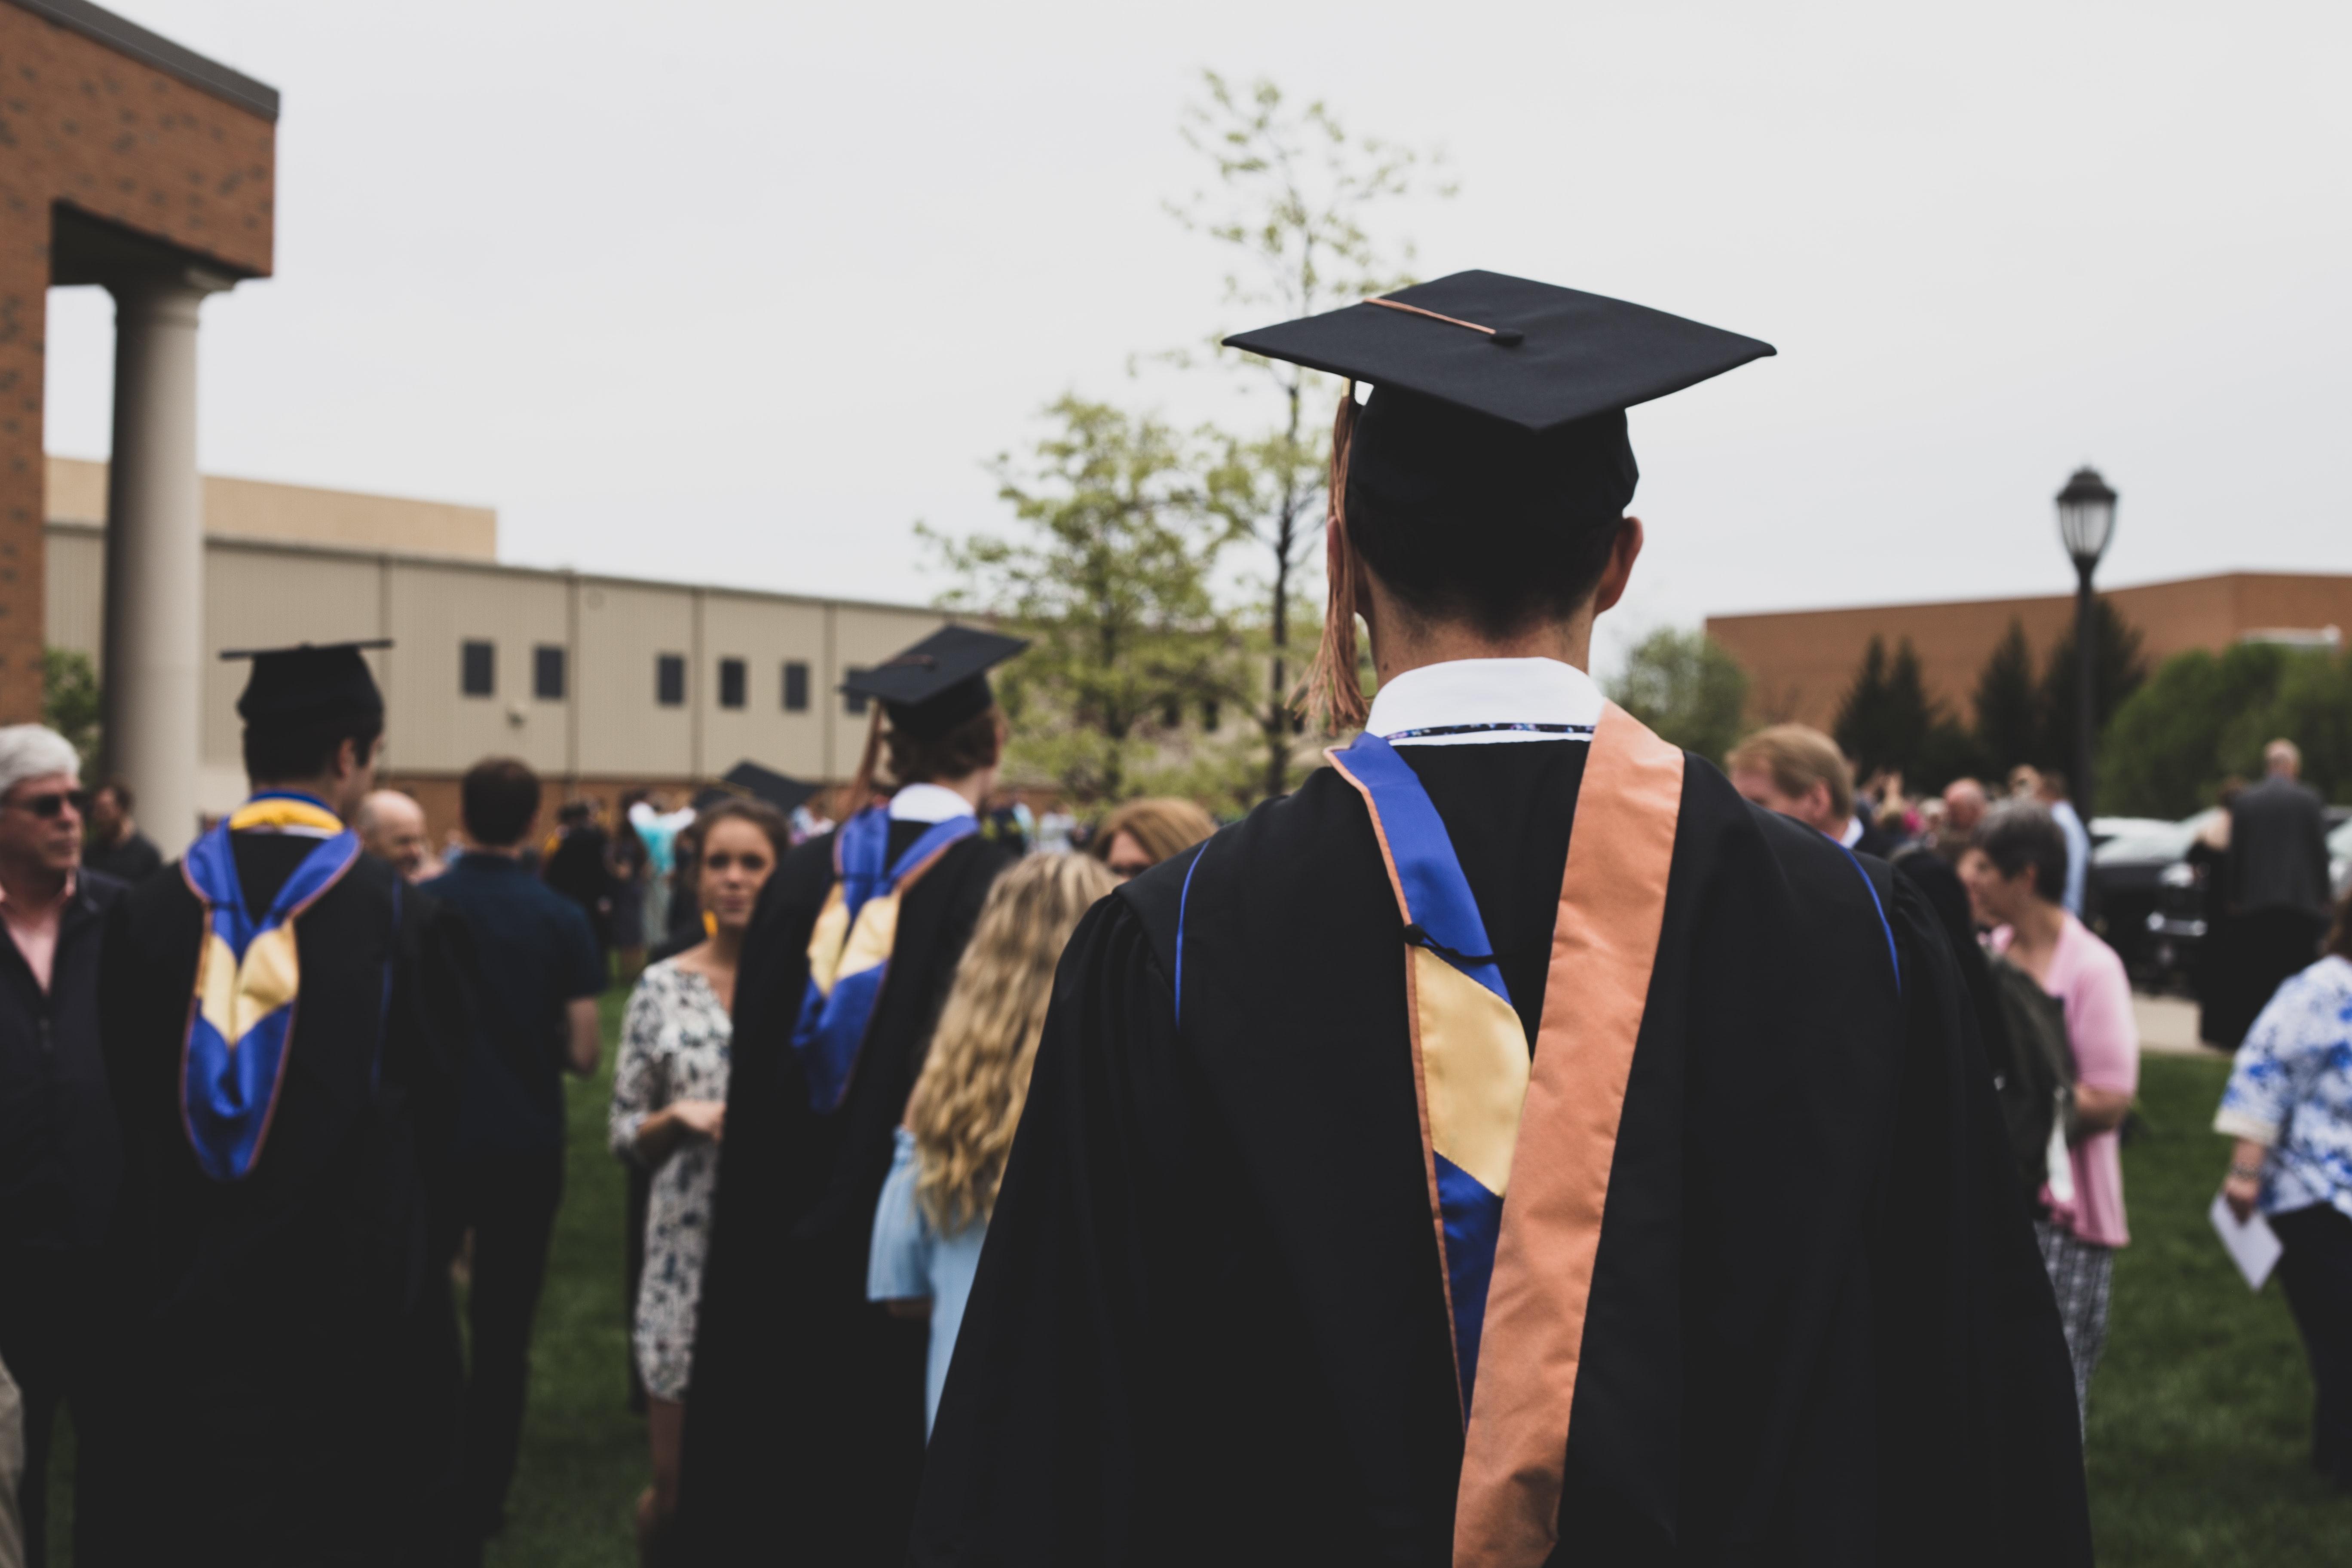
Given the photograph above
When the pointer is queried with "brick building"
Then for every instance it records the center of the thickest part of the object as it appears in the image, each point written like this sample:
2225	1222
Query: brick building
1801	662
132	164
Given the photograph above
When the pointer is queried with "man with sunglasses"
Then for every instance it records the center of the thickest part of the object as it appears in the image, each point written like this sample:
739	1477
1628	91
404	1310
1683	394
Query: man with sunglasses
285	1024
60	1158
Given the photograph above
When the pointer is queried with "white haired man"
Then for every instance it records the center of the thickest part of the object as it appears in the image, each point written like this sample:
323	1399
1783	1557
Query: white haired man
390	827
61	1157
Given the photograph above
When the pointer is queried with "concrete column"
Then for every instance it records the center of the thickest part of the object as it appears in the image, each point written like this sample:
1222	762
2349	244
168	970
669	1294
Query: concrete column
153	690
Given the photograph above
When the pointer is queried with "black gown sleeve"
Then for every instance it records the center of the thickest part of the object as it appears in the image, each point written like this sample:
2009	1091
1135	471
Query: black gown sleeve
1054	1367
1976	1399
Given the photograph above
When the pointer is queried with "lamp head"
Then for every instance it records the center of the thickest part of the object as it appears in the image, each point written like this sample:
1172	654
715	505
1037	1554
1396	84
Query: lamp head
2086	516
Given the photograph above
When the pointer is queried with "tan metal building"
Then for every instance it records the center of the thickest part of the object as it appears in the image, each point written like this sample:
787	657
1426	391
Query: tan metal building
601	683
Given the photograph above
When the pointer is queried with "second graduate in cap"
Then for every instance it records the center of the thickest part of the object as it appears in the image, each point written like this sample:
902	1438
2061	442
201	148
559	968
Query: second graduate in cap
285	1031
806	1410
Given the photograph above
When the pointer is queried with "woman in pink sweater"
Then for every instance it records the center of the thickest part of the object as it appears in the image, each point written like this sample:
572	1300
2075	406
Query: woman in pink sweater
2015	868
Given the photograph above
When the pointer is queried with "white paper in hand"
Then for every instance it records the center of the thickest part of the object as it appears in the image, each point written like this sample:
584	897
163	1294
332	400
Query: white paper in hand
2253	1247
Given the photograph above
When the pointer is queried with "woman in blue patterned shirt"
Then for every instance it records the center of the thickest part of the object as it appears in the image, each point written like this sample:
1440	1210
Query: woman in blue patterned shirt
2289	1106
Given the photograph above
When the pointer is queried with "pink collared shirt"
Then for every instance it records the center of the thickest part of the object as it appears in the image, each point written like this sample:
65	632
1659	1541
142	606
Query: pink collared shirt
35	932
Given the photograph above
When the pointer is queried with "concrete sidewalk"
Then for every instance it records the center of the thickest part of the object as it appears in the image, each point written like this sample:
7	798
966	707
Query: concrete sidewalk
2168	1028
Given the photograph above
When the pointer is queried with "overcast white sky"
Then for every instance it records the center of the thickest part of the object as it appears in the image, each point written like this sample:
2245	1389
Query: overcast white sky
734	292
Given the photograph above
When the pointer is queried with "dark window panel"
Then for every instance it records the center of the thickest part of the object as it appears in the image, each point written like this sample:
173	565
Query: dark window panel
853	703
731	683
547	672
477	668
669	679
796	687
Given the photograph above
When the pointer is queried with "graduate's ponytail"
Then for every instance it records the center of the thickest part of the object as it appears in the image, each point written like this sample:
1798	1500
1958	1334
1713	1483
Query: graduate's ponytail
1333	693
858	793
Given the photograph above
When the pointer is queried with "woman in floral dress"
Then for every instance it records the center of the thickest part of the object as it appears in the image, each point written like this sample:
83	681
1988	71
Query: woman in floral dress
669	1108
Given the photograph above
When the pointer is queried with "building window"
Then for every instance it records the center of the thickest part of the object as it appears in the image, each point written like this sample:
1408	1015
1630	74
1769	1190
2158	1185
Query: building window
669	679
853	703
1213	714
796	687
731	683
547	672
478	669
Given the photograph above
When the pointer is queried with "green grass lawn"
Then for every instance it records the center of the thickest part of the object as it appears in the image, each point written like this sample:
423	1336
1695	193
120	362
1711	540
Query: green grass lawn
2201	1413
584	1454
2199	1416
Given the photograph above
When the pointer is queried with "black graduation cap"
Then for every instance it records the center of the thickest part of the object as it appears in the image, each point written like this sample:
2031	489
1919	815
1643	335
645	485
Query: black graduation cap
942	680
309	685
750	781
1498	392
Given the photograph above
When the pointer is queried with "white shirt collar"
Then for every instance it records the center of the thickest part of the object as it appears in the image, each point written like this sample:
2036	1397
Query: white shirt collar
1462	692
1853	834
929	802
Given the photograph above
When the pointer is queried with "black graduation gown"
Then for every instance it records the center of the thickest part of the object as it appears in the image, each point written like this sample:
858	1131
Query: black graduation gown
805	1422
288	1354
1209	1323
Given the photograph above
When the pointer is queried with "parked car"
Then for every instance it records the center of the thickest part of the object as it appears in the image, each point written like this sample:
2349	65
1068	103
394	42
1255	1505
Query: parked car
2148	895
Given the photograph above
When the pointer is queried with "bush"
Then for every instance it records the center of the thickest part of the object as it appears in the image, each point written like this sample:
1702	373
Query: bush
2204	717
1685	686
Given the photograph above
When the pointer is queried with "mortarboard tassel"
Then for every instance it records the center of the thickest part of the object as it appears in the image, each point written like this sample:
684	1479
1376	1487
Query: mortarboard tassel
858	793
1333	693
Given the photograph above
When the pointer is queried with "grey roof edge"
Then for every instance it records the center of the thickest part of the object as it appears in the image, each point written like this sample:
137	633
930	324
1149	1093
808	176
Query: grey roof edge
253	544
130	39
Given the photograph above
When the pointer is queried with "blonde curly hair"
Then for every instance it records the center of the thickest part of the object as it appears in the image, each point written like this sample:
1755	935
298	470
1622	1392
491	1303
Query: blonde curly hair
968	1099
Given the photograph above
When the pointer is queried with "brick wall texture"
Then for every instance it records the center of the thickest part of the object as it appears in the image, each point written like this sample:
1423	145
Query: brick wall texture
1800	663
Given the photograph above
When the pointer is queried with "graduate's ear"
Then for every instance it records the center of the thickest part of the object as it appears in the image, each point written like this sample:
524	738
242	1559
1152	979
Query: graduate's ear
1623	551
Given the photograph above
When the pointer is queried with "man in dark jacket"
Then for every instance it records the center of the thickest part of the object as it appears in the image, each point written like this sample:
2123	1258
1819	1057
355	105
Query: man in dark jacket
2276	896
539	977
115	844
60	1159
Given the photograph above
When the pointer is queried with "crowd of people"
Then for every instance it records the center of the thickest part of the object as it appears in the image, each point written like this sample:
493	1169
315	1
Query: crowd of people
1003	1199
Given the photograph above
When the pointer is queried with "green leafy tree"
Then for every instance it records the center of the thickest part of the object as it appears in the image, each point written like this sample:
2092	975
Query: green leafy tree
1685	686
1291	199
69	700
2009	727
2313	708
1111	574
2118	669
2199	719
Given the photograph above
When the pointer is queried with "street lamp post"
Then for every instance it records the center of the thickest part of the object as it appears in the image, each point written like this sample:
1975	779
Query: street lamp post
2087	523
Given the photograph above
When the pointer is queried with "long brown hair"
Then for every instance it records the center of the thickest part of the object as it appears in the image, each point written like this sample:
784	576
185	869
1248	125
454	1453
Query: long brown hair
2339	935
1161	825
968	1100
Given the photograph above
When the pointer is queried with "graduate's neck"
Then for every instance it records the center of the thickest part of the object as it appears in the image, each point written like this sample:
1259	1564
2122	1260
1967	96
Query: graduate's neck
325	788
1403	641
1402	638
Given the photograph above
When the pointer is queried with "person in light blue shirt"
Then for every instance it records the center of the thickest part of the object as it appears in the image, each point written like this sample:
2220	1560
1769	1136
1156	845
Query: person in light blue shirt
2289	1106
933	1216
2050	789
